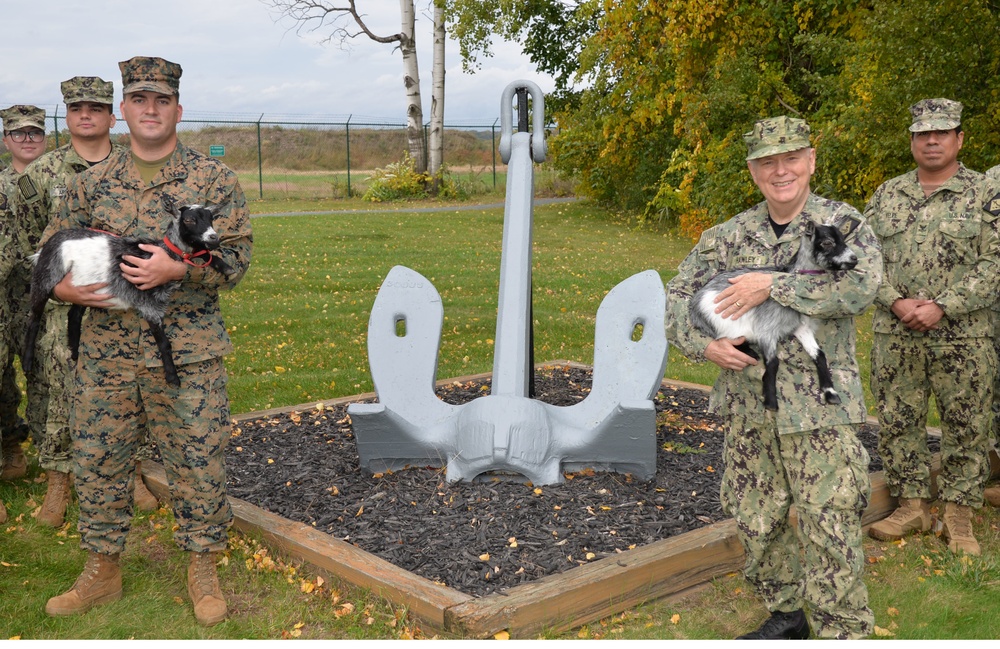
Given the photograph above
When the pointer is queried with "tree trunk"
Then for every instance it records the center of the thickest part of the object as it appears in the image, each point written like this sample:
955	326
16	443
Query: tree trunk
436	138
411	79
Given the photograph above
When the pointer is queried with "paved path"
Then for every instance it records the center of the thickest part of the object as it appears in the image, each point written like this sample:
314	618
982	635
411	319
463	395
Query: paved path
440	208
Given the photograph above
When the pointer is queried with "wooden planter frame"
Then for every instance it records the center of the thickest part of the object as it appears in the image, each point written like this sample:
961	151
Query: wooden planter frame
554	603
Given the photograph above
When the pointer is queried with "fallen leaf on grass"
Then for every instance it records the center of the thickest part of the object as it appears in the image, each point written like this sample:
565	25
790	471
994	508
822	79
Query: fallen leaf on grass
675	618
883	633
501	635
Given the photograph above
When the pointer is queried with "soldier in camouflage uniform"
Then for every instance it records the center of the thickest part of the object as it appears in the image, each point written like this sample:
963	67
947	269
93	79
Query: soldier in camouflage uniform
24	137
120	381
89	118
933	326
806	454
992	494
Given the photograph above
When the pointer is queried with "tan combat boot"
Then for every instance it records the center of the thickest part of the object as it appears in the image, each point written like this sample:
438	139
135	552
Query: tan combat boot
992	495
15	464
144	498
912	515
203	588
99	583
53	512
956	527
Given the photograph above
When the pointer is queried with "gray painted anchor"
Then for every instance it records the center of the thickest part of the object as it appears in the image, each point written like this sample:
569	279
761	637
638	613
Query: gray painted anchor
613	428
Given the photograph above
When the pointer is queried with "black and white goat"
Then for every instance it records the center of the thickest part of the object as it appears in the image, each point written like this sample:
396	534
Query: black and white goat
823	249
93	256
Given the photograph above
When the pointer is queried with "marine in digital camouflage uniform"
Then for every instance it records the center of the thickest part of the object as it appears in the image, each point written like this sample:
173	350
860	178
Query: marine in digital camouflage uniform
89	118
933	325
23	122
807	453
120	380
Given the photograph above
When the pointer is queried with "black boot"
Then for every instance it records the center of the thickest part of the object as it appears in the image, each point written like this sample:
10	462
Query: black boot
781	626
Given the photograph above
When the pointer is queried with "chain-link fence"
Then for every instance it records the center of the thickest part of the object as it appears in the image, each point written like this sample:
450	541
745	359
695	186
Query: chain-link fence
286	157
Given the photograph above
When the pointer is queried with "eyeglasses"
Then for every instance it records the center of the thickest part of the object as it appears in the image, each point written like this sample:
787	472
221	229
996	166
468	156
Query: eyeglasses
21	136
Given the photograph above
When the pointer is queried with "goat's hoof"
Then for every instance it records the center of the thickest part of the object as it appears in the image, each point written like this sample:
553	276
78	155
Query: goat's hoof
773	407
832	397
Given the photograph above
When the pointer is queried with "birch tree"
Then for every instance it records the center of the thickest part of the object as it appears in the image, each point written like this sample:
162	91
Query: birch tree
436	136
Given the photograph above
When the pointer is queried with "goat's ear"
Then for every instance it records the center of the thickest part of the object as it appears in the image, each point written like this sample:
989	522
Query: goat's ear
848	225
214	209
810	228
169	204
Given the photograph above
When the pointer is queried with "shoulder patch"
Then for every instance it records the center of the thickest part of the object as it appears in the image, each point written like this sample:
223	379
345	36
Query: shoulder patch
848	224
27	188
993	205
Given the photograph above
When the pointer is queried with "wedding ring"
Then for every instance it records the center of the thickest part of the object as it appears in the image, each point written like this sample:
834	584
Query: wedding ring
738	305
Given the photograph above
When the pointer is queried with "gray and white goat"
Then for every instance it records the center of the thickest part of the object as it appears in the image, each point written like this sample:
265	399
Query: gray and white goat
823	248
93	256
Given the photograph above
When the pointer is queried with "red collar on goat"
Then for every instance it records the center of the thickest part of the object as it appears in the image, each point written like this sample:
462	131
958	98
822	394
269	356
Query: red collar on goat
188	257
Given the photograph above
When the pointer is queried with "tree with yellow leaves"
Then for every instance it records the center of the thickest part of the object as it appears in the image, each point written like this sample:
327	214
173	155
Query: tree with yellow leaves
676	83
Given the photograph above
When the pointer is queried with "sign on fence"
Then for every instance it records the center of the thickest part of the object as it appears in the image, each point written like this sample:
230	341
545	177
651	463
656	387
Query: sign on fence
216	150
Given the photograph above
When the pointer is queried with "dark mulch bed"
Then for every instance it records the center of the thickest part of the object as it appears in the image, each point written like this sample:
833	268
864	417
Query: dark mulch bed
485	536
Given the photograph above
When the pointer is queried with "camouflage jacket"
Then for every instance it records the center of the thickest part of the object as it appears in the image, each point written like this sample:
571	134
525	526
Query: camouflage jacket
833	299
43	189
993	173
112	197
944	247
8	222
9	245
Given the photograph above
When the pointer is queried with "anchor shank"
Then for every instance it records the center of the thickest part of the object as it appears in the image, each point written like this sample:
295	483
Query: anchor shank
512	354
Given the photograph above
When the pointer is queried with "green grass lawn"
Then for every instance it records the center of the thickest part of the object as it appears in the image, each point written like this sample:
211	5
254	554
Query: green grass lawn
299	325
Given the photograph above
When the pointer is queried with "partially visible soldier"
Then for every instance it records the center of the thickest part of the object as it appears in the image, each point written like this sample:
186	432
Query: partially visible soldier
89	118
119	376
933	325
808	452
992	494
24	137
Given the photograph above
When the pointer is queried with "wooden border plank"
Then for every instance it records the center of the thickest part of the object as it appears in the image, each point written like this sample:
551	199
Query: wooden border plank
424	598
604	587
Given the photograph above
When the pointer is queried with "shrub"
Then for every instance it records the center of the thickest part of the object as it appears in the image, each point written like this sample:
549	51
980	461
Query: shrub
397	181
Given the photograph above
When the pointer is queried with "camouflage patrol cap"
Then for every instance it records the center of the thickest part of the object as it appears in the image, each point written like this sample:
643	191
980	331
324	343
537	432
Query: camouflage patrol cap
150	73
92	89
22	116
776	135
935	115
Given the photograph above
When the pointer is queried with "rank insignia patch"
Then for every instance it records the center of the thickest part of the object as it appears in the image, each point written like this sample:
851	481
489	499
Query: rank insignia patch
993	205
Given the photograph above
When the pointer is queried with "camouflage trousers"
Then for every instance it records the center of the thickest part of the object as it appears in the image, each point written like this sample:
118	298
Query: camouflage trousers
54	393
960	374
13	429
191	425
817	562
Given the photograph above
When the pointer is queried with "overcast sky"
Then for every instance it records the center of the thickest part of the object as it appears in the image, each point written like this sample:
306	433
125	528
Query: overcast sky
241	59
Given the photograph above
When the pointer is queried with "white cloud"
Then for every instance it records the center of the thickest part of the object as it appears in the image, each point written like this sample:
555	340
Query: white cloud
238	59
